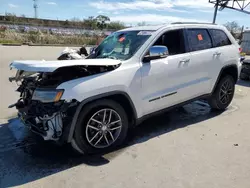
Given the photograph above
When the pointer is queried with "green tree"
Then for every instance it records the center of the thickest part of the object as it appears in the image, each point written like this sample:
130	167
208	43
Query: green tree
66	23
116	25
10	17
102	21
234	28
90	22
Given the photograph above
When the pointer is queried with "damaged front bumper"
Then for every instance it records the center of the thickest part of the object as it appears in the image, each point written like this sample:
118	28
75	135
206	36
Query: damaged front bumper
49	120
42	106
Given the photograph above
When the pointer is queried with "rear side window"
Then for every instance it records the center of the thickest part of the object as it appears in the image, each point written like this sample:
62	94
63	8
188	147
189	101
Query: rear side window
198	39
220	38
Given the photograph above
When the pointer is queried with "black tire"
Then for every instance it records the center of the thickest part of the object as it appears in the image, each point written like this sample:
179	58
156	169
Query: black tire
217	102
80	141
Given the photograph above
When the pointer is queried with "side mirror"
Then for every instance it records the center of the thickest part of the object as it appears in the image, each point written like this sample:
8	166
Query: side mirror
156	52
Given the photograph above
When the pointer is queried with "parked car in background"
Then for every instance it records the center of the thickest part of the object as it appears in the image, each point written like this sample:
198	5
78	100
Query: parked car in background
245	42
245	73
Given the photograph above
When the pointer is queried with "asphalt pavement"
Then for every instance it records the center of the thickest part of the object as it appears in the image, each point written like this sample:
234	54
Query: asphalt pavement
189	147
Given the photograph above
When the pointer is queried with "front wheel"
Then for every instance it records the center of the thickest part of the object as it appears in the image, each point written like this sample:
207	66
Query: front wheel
223	94
102	125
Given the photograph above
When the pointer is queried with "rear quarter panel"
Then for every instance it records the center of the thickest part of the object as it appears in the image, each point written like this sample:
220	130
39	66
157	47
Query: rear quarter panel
229	56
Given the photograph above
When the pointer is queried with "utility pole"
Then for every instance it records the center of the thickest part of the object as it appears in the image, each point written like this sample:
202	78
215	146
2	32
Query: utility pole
35	6
215	11
241	33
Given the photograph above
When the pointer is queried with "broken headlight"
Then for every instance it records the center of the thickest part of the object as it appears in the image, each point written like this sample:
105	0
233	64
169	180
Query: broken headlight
47	96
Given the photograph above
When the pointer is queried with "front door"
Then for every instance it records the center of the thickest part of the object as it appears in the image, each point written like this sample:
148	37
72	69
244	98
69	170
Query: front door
163	79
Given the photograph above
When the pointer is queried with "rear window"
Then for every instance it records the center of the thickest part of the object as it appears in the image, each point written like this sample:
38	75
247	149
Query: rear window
219	38
199	39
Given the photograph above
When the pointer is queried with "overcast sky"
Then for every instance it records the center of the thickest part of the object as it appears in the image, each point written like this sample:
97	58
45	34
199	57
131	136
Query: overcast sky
127	11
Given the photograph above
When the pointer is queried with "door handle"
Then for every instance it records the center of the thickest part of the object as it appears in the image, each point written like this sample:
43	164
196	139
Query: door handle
185	61
217	53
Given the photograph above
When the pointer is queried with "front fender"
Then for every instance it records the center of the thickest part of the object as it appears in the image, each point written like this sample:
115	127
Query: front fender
69	132
84	88
88	89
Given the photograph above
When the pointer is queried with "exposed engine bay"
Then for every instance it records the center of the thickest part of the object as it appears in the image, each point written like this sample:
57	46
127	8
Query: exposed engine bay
48	117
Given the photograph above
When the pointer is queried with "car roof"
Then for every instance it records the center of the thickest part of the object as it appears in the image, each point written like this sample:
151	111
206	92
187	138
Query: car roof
147	28
172	25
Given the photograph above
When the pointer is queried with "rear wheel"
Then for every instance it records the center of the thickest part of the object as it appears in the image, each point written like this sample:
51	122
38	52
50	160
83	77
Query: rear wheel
102	125
223	94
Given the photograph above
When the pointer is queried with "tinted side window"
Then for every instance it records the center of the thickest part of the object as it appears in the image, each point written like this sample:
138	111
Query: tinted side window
174	40
220	38
199	39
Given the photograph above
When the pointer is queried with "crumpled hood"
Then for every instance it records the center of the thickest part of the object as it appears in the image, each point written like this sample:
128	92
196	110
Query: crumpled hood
51	66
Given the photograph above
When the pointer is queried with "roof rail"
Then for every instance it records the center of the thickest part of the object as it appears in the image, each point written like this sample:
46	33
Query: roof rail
192	23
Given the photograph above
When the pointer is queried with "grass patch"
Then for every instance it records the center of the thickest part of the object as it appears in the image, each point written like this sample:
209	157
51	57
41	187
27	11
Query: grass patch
6	41
11	37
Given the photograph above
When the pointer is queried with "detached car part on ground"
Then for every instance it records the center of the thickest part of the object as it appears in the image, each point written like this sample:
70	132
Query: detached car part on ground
71	54
92	102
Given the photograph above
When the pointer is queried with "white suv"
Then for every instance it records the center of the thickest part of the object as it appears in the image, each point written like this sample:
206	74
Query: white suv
133	74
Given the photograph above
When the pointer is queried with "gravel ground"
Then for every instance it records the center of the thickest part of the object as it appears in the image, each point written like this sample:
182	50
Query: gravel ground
188	147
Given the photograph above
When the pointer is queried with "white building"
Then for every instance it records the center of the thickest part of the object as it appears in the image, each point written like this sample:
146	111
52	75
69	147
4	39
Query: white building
245	44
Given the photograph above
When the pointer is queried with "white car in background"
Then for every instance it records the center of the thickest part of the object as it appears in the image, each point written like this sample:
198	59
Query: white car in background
133	74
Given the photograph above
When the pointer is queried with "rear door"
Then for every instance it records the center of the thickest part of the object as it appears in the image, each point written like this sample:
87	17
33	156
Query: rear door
201	59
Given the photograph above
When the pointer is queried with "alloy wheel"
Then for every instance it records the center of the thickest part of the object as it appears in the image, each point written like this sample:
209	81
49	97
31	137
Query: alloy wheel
226	92
103	128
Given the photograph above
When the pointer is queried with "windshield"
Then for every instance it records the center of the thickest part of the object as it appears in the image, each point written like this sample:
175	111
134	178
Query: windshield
121	45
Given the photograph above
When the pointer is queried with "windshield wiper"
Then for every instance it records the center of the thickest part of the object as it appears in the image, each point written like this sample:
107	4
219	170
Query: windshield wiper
106	57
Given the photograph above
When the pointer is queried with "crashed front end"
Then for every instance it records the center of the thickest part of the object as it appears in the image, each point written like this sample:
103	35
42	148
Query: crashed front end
41	107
